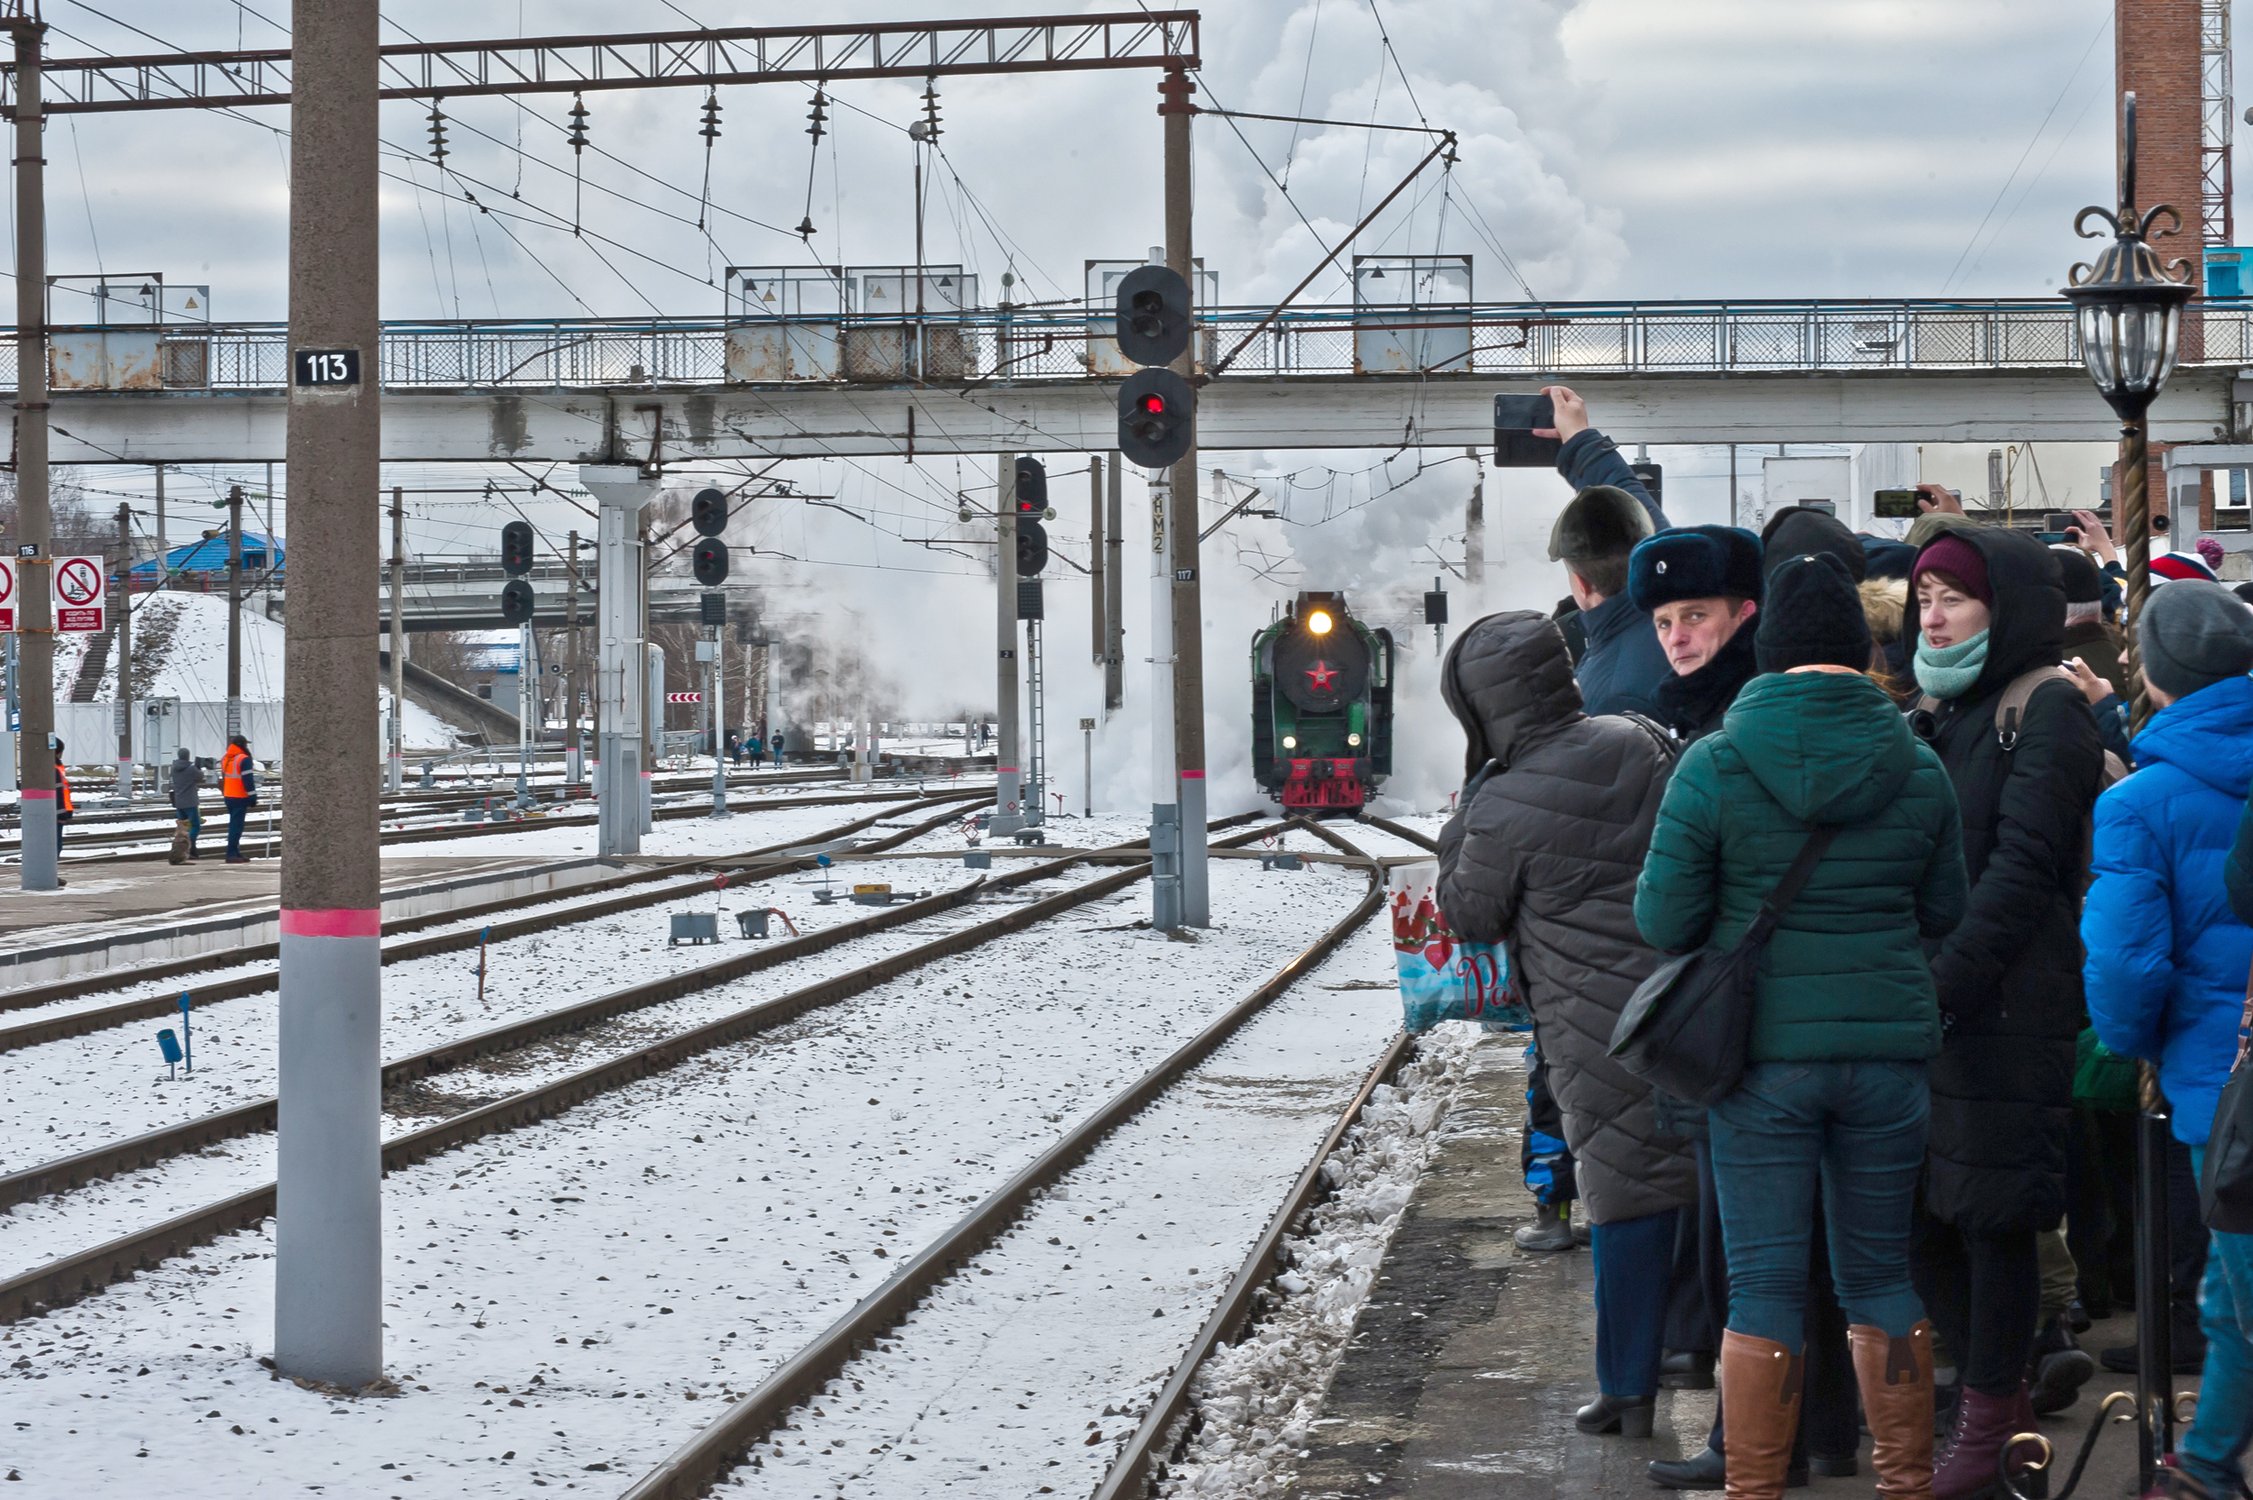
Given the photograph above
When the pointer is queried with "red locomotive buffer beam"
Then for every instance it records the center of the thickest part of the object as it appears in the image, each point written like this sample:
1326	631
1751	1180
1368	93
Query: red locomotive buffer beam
1322	783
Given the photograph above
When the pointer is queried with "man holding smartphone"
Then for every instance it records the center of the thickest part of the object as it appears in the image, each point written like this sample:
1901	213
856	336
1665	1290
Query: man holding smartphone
1621	664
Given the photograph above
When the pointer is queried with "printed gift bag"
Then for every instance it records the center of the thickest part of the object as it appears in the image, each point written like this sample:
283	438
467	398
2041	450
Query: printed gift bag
1443	977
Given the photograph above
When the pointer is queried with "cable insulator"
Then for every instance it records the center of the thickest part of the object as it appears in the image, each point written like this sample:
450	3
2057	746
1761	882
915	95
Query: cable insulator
711	130
931	107
578	123
437	134
818	114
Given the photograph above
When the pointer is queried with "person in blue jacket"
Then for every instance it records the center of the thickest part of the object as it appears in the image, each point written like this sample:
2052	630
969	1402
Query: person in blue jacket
2168	957
1620	663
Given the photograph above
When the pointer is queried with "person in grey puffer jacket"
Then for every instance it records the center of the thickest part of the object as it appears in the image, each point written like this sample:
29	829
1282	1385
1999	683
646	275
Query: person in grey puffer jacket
187	781
1542	855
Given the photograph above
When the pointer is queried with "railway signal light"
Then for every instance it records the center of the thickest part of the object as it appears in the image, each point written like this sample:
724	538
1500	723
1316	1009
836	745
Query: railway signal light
1653	477
708	512
1155	411
516	602
1032	487
1032	547
709	561
516	548
1153	315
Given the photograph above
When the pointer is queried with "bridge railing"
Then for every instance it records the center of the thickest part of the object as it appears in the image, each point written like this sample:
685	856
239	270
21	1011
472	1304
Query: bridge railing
1492	339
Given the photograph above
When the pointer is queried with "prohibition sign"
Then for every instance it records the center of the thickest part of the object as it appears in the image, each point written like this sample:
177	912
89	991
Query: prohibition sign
78	581
7	594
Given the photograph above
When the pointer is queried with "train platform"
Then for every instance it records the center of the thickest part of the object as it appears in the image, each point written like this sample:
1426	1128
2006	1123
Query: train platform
1471	1356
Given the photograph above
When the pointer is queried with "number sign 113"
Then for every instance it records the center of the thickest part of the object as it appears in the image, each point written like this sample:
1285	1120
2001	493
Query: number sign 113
328	367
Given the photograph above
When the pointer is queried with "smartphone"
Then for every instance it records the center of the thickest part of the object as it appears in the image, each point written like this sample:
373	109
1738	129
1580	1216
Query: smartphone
2059	521
1897	505
1515	446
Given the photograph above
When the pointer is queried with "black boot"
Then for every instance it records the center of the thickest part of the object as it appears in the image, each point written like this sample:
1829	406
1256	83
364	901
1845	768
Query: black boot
1709	1471
2058	1370
1686	1370
1629	1416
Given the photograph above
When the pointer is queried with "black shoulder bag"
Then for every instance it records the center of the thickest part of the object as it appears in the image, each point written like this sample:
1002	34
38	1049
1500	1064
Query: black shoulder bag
2225	1188
1686	1028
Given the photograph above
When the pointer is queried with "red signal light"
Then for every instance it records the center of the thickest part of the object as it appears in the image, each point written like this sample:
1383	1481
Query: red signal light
1154	404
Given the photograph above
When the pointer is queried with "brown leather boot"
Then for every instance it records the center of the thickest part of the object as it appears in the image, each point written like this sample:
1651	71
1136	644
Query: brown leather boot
1760	1384
1896	1379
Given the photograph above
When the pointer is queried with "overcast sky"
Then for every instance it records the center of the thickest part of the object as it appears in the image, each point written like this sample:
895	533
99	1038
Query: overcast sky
1610	149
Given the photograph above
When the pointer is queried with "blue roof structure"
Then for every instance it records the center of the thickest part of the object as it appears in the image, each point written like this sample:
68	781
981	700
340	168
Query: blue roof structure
210	556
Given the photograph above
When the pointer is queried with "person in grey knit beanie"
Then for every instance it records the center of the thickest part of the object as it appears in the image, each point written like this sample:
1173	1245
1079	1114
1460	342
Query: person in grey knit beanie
2192	635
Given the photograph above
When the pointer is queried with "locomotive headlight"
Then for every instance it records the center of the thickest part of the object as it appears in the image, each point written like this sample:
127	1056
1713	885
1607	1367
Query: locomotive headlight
1319	622
1290	742
1353	739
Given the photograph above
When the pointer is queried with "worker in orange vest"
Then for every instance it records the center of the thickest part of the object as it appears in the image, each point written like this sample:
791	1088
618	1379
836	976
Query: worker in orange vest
238	787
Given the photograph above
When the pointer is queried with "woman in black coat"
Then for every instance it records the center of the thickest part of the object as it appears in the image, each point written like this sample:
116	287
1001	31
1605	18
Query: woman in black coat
1987	606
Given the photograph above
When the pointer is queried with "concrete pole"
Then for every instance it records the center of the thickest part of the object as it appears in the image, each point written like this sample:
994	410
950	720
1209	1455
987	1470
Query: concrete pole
1165	809
395	772
774	691
1114	590
235	605
163	537
571	671
1188	591
1474	535
653	714
328	1237
620	492
35	651
1099	631
123	604
1008	817
719	721
527	713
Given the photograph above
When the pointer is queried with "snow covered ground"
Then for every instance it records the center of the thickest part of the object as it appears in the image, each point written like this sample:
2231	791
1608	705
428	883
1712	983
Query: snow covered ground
563	1301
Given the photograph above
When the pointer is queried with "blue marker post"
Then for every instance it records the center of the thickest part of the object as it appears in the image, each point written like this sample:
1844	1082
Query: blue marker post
169	1045
481	937
187	1034
822	860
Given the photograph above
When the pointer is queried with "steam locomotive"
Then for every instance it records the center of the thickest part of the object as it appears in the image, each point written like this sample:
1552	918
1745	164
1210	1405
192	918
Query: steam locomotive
1321	706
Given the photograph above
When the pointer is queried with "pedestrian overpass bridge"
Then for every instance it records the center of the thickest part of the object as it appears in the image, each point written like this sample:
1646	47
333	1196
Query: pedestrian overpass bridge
1039	379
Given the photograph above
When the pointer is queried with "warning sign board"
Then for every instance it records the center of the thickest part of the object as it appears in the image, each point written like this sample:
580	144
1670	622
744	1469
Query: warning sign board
7	594
81	592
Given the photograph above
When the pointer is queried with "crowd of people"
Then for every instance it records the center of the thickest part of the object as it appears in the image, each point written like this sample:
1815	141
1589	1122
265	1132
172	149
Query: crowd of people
1987	897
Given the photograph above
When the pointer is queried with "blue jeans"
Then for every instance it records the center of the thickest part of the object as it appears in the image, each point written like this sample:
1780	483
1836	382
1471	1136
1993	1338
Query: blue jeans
2218	1436
1634	1262
1857	1129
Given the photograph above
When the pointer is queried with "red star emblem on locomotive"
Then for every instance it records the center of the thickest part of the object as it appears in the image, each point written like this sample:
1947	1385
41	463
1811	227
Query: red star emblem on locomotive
1321	675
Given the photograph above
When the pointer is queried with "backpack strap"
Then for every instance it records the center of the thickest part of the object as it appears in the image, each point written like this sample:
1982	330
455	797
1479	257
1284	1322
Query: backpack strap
2010	710
1669	748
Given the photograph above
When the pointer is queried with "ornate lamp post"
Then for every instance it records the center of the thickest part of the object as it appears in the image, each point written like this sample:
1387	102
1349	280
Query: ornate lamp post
2128	310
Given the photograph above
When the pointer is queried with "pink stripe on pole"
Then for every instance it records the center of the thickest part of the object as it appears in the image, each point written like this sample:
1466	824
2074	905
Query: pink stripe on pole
35	794
1006	770
333	922
1192	776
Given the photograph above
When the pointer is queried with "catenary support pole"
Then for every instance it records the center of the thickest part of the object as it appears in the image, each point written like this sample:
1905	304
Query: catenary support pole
1114	587
527	713
1187	604
653	698
571	670
395	765
719	721
773	672
328	1236
1098	630
620	492
122	602
1474	536
163	538
35	651
1165	808
1008	791
235	606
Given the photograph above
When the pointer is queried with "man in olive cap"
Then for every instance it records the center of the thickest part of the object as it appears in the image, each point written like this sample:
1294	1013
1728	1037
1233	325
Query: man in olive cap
1620	665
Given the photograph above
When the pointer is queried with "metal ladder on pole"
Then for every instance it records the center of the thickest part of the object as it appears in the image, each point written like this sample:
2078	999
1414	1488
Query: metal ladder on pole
1036	761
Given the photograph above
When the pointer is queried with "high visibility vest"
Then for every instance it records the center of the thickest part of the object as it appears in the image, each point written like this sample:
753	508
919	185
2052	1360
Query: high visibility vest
231	768
62	788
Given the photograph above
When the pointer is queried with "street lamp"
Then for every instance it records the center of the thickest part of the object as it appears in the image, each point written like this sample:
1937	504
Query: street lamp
2128	312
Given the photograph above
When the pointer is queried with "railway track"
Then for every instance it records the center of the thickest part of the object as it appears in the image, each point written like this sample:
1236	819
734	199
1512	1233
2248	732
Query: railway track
34	996
695	1468
70	1278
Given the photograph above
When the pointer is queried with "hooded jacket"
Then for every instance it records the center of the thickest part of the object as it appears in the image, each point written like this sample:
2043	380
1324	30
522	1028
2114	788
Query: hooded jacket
1845	975
187	778
2010	975
2168	959
1542	856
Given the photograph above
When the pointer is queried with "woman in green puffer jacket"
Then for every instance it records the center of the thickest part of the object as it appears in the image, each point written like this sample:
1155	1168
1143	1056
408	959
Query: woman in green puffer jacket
1845	1016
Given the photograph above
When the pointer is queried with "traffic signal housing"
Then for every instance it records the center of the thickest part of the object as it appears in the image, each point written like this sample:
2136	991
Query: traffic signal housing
1032	547
1032	487
708	512
516	548
1156	409
516	602
1153	315
708	560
